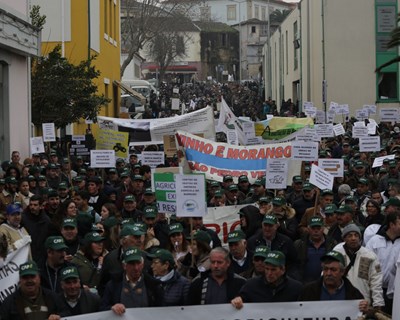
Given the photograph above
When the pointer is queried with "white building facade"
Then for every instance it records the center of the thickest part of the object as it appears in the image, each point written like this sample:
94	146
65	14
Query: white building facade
328	51
18	41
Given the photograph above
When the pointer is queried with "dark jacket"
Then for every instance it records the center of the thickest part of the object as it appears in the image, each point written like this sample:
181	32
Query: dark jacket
301	246
248	264
253	219
12	307
258	290
196	293
312	291
279	243
87	303
112	293
51	278
38	228
175	290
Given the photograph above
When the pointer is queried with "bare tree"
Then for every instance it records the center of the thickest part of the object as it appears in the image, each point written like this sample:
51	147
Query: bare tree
141	23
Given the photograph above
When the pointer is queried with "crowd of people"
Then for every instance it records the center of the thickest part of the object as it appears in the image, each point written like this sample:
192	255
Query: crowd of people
98	242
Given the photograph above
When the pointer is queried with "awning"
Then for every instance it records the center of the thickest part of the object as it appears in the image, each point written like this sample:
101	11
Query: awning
130	91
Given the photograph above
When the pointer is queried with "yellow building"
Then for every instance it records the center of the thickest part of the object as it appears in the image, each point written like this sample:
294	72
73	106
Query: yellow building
85	28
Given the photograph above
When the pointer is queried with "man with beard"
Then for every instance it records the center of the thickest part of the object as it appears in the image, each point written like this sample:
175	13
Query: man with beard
74	300
219	284
30	301
362	266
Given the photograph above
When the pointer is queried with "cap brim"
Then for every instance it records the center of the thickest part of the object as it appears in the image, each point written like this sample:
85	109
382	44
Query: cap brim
273	262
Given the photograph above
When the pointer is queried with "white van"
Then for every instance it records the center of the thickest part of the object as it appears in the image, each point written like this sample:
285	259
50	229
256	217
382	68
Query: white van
142	86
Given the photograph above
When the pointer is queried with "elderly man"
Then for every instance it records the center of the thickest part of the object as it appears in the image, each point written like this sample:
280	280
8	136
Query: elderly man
241	258
30	301
273	286
134	289
74	300
219	284
333	284
362	266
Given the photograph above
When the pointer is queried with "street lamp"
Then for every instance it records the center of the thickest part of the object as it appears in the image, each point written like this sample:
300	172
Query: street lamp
240	37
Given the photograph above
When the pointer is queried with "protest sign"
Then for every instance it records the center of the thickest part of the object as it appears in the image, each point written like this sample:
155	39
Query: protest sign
165	191
361	114
334	166
378	162
102	158
37	145
248	129
277	172
324	130
320	117
227	120
190	195
232	137
370	144
342	109
321	178
312	310
49	132
359	132
305	151
370	108
152	131
389	114
113	140
333	106
10	270
152	158
218	159
338	129
175	104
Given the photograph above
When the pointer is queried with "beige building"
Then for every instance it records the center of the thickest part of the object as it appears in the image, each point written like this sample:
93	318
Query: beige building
328	51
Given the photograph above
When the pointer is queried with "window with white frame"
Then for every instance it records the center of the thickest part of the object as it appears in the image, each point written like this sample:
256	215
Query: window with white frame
231	12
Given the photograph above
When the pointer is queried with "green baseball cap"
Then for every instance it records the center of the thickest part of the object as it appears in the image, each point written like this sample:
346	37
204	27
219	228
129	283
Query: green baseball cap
359	164
344	209
175	228
227	178
264	199
258	182
297	179
202	236
236	236
62	186
127	222
150	212
131	230
69	222
215	184
11	180
261	251
55	243
163	255
69	272
137	177
233	187
28	269
278	201
392	202
276	258
243	178
218	194
270	219
316	221
363	181
148	192
307	186
330	209
130	198
326	192
110	222
333	255
93	237
350	198
392	163
132	254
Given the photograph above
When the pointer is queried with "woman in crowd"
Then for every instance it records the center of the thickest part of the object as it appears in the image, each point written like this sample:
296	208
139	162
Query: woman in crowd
177	244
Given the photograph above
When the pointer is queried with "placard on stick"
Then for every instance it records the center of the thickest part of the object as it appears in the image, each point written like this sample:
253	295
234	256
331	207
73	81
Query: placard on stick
321	178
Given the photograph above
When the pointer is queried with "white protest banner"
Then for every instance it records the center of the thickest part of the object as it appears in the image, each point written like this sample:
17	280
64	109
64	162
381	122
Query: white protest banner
342	109
320	117
371	128
301	310
359	132
218	159
277	172
324	130
175	90
37	145
321	178
310	112
334	166
190	195
10	270
370	144
305	151
361	114
175	104
232	137
338	129
152	158
389	114
49	132
152	131
370	108
102	158
378	162
307	134
330	116
359	124
308	104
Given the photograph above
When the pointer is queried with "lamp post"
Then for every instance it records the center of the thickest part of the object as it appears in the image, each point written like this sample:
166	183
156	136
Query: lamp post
240	37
